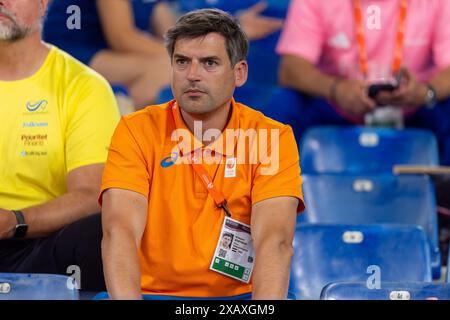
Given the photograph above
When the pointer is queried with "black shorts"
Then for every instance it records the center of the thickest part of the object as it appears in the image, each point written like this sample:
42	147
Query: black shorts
75	246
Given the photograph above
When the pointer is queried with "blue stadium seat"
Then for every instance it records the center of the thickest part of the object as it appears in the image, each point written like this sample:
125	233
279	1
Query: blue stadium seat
331	253
20	286
331	149
374	199
387	291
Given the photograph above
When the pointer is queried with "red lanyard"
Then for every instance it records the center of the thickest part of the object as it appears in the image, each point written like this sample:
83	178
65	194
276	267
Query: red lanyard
399	39
200	170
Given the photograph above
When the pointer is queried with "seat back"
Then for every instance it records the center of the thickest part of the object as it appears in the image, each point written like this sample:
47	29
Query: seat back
374	199
331	149
20	286
387	291
369	253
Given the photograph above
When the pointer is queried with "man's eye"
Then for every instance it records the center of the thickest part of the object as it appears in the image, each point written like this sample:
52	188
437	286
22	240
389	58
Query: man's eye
181	61
210	63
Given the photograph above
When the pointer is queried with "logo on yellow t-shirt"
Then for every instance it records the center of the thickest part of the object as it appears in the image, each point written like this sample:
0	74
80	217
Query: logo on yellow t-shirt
38	105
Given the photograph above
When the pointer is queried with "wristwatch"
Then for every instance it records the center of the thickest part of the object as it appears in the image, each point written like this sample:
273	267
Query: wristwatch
431	97
21	228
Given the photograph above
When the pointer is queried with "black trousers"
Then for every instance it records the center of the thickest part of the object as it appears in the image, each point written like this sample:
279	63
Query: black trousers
78	244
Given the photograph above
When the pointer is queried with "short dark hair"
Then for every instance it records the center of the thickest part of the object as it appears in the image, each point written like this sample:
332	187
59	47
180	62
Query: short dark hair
199	23
230	235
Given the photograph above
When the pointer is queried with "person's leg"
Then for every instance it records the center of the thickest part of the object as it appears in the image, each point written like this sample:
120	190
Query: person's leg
436	120
14	254
77	245
144	76
301	112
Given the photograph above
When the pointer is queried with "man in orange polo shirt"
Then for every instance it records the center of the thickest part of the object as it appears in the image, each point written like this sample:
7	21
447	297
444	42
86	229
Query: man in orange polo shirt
181	175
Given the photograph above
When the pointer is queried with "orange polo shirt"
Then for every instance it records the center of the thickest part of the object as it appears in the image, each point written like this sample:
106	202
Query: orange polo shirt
148	156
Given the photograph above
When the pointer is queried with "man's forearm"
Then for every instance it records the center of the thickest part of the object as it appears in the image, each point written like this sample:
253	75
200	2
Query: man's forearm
300	74
272	269
51	216
121	265
441	83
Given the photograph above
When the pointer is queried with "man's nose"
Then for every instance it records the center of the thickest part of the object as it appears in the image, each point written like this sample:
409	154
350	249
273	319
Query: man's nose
194	71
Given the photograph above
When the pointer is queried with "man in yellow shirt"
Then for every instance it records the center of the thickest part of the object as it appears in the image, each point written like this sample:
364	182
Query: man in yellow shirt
57	118
171	167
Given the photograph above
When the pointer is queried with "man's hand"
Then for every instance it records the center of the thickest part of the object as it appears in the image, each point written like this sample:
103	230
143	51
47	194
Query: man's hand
410	93
351	96
257	26
7	224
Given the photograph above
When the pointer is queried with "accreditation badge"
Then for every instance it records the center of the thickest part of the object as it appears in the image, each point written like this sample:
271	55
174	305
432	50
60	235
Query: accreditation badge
234	255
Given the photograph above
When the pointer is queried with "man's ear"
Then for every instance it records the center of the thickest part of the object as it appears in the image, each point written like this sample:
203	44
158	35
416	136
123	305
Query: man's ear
241	73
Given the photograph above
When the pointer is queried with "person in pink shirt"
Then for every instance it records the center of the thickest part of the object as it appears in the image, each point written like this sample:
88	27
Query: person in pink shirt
329	69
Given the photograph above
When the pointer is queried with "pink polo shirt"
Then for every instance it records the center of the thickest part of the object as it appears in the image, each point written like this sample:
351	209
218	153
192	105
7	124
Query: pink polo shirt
323	31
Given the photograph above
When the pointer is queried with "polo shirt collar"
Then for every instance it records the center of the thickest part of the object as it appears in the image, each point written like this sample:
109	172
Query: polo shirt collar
226	148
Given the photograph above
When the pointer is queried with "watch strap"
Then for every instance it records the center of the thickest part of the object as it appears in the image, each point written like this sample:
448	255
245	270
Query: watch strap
21	227
19	216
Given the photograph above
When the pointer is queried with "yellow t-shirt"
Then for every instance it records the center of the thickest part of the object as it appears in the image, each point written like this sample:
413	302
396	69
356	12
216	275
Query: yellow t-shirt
59	119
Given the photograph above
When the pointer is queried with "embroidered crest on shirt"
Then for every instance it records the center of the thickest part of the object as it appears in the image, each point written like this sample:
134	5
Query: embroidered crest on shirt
230	168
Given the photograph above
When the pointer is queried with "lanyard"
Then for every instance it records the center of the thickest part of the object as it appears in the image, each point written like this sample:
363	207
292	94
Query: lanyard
399	39
200	170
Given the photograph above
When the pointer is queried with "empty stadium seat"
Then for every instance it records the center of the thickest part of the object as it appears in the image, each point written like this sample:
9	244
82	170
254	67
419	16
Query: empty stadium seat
331	149
331	253
388	291
20	286
372	199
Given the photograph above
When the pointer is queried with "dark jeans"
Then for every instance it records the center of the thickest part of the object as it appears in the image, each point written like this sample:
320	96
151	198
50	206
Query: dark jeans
77	244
